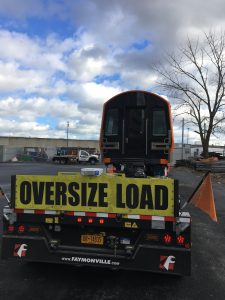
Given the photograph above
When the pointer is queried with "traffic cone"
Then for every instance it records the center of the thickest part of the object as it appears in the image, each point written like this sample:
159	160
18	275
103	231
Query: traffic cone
203	198
1	192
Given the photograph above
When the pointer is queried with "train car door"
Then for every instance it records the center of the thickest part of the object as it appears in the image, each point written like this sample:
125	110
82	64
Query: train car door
134	132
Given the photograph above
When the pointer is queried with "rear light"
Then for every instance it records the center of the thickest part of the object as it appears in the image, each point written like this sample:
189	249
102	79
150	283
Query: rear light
101	221
21	229
167	238
90	220
187	246
11	228
163	161
107	160
180	239
79	220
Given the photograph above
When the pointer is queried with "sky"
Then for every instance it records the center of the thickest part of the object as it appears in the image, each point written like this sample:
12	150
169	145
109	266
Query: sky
60	60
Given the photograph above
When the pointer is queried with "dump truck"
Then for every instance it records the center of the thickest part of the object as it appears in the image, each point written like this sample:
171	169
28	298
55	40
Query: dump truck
126	216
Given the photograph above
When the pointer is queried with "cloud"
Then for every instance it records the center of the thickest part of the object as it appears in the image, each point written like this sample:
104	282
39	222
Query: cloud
21	117
12	78
26	129
32	108
34	52
86	63
85	53
94	95
33	65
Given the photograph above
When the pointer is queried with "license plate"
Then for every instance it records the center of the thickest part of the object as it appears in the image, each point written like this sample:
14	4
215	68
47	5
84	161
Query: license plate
92	239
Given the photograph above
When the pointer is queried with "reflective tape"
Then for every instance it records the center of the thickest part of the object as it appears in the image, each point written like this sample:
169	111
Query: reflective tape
157	221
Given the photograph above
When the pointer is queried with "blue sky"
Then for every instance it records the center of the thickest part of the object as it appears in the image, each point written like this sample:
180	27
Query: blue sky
61	60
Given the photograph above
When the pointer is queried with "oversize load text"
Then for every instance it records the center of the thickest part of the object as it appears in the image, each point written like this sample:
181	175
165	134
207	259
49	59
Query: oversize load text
90	194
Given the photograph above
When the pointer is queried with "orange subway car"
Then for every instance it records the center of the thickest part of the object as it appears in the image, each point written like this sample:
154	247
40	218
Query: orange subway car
136	135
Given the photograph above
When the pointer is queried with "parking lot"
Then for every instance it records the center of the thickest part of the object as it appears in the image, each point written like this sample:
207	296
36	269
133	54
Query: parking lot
47	281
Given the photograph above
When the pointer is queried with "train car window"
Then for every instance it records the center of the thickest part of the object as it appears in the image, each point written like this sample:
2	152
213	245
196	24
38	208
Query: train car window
159	123
135	122
111	124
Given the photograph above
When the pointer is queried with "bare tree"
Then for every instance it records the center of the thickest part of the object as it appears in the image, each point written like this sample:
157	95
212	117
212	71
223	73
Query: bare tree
195	78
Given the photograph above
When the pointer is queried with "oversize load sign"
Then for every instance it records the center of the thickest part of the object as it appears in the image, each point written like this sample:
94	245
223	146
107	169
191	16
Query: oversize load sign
108	194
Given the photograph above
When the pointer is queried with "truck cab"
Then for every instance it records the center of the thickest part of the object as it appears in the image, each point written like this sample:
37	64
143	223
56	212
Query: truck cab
84	156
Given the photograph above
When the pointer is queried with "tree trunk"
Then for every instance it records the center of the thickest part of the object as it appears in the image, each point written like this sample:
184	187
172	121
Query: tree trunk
205	146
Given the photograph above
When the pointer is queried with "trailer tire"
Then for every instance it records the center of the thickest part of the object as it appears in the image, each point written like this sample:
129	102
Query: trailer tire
64	161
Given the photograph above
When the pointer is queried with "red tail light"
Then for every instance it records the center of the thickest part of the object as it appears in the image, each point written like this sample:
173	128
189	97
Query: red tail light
180	239
90	220
167	238
21	229
188	245
101	221
11	228
79	220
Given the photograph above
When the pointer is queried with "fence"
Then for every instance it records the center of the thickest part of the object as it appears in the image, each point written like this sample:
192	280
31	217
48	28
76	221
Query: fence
213	166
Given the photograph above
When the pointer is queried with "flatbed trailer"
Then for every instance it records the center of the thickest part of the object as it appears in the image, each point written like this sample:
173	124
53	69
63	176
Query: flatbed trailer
107	221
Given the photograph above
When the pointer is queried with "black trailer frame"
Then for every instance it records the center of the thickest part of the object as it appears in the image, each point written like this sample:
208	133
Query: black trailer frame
130	242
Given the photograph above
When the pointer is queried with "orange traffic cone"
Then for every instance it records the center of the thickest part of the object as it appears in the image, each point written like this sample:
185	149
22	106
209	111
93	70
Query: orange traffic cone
1	192
203	198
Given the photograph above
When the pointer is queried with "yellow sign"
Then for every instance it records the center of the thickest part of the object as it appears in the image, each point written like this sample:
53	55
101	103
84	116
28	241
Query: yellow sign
105	193
130	225
127	224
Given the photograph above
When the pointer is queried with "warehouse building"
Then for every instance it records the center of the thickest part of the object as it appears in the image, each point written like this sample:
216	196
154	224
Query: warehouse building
23	148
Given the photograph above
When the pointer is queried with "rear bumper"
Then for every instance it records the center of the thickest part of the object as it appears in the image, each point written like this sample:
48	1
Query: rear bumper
168	260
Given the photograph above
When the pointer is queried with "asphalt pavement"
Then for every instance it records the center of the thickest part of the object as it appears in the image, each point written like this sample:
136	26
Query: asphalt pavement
51	281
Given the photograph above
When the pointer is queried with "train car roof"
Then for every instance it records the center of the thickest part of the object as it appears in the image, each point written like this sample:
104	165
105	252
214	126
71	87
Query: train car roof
142	91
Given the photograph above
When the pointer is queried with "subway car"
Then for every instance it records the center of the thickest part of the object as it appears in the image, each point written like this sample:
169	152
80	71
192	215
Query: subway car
136	134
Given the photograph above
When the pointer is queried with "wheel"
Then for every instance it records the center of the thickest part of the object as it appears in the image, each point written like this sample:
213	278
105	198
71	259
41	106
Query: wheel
64	161
92	161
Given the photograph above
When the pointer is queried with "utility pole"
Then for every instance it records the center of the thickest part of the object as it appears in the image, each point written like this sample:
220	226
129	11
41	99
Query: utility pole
182	148
67	133
188	136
